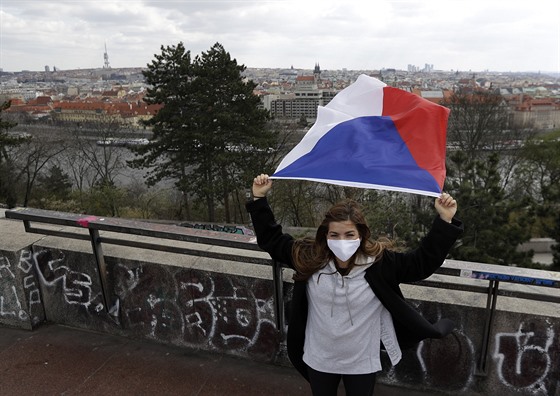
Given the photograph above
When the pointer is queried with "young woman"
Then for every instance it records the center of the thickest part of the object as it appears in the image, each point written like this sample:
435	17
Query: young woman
346	300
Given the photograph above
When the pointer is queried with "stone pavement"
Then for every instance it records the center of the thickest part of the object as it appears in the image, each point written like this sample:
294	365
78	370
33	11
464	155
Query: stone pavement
57	360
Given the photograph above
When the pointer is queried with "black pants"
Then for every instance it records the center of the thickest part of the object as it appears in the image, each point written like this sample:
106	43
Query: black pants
326	384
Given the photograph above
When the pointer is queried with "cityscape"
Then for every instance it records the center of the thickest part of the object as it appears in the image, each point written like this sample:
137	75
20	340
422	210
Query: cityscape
105	93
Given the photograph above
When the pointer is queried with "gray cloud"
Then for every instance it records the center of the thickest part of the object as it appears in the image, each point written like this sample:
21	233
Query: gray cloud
451	34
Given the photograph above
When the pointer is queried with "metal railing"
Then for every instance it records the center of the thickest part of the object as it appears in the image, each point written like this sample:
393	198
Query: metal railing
493	275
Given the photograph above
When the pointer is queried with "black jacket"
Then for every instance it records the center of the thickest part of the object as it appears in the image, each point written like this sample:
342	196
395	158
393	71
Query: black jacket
384	278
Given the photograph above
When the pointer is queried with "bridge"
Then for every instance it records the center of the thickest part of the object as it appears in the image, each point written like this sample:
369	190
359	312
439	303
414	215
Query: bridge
209	296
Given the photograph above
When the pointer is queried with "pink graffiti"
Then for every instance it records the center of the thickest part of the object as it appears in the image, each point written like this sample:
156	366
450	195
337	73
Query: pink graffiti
84	221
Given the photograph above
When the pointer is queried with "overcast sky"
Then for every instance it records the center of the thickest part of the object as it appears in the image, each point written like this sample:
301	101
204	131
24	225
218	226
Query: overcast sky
500	35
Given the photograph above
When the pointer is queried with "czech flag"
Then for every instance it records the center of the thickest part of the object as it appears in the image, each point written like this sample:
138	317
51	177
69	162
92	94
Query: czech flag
373	136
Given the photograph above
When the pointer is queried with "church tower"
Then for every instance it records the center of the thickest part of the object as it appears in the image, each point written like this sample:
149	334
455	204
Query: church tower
317	73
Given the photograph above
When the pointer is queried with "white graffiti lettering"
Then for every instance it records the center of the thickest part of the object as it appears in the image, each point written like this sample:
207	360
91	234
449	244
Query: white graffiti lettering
5	265
76	286
520	362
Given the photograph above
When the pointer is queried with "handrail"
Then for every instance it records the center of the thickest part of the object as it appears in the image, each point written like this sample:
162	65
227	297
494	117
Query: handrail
133	227
95	224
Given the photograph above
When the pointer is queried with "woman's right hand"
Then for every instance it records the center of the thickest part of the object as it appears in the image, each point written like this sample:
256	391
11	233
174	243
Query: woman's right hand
261	186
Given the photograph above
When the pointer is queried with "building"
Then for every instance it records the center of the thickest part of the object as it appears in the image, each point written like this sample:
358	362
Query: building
541	114
303	101
101	112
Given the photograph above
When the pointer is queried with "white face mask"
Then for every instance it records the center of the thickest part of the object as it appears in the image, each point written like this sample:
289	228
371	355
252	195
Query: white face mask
343	249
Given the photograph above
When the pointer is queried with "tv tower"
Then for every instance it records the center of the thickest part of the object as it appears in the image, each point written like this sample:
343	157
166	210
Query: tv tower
106	58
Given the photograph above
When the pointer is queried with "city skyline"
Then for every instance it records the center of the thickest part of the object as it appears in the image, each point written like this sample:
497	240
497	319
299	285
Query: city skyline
451	35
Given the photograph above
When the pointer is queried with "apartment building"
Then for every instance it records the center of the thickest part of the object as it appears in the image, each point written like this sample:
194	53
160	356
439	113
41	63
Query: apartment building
303	101
541	114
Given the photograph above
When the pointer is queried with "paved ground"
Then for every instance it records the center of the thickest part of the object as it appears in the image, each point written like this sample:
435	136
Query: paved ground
57	360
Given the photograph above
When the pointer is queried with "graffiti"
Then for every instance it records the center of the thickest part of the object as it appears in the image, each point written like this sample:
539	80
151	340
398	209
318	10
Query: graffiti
20	289
76	286
34	295
5	268
7	310
523	359
231	229
446	363
10	304
230	316
194	307
148	301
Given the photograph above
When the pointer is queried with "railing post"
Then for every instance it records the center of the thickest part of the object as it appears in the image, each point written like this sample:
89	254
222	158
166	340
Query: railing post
491	298
112	309
278	296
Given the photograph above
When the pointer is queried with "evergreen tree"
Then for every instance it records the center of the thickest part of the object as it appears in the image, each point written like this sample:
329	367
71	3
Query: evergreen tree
56	184
169	77
210	135
5	126
494	226
540	177
7	168
556	247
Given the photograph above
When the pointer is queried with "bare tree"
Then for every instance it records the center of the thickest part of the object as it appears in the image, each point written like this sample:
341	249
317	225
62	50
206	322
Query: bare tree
102	150
477	120
30	158
78	168
480	125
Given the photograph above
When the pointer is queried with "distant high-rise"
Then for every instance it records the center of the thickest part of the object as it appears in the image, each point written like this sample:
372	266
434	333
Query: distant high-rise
106	59
428	67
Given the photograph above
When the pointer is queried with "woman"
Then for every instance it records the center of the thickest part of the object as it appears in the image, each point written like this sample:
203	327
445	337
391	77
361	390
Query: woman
346	300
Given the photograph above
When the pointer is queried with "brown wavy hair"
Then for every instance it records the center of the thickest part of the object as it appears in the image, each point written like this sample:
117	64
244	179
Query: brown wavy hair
312	254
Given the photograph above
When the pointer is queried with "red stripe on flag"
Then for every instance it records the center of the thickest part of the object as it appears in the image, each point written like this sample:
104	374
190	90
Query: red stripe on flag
422	125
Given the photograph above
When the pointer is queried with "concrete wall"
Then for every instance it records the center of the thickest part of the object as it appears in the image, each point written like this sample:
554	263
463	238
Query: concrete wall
21	303
523	356
225	306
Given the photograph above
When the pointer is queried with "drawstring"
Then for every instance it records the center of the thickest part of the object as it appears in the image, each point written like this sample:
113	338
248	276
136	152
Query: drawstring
347	301
325	273
333	290
332	299
345	286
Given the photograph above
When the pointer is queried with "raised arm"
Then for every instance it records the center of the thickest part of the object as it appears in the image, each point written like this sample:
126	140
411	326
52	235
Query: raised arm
434	247
269	233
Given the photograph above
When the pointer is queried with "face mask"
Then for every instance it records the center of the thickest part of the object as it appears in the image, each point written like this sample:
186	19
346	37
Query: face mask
343	249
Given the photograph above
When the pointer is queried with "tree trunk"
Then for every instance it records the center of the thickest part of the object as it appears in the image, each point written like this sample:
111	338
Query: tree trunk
225	183
186	205
211	209
226	207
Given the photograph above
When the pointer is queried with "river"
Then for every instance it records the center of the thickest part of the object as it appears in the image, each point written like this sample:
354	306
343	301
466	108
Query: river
55	135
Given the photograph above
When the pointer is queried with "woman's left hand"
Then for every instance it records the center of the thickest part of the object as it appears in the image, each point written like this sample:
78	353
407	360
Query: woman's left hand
446	207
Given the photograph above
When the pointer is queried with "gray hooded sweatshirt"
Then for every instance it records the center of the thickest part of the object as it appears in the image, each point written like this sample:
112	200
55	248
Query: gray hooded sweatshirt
347	323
